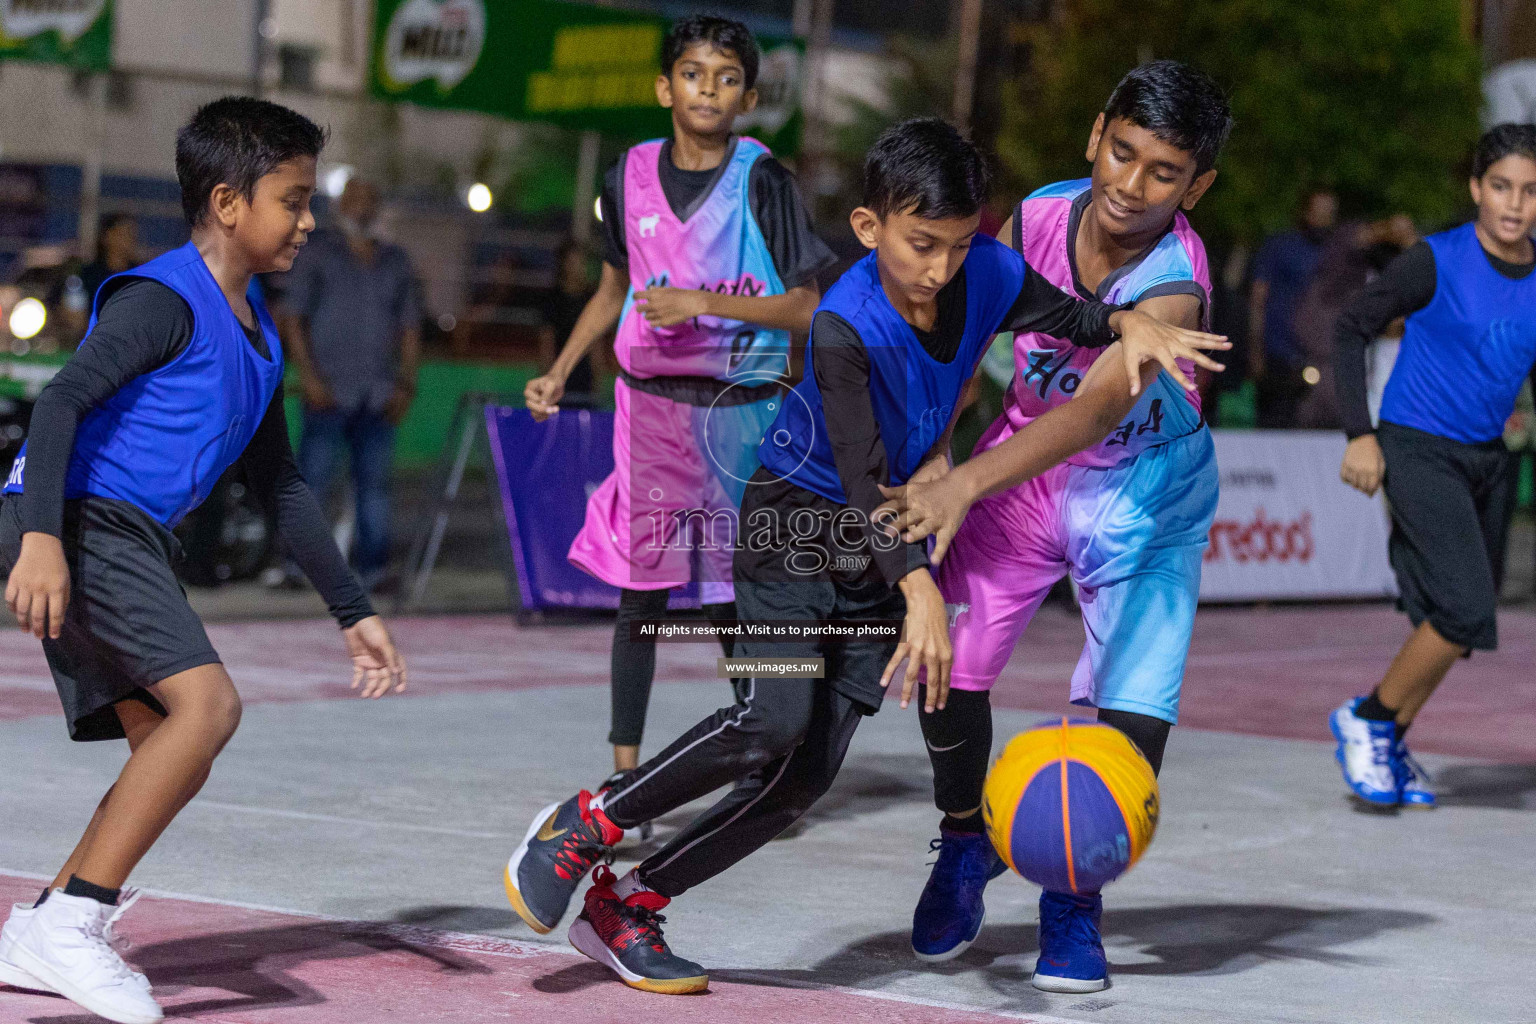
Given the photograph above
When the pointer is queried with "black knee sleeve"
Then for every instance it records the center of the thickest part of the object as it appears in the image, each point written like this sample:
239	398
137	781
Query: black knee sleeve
959	741
1148	733
633	665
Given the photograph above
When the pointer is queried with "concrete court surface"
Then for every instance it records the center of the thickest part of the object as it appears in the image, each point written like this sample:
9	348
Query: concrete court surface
342	865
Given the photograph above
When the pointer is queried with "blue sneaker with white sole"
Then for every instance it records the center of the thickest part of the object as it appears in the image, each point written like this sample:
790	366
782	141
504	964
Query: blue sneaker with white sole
1071	951
950	911
1366	754
1412	780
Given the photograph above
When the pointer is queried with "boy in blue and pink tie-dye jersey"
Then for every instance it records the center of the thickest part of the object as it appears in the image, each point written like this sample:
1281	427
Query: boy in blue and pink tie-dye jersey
710	264
1074	478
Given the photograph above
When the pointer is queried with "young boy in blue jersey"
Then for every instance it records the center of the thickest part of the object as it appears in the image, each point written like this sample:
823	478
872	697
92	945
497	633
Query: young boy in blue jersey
1468	344
179	377
892	345
1081	475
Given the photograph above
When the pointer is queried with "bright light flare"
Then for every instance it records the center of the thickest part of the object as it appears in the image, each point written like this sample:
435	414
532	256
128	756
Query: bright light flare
479	197
28	318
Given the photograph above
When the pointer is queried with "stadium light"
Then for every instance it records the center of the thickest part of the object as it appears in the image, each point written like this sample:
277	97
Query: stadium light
479	197
28	318
597	209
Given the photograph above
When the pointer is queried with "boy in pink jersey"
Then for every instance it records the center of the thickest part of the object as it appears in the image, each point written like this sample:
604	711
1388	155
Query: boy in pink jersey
1127	513
710	264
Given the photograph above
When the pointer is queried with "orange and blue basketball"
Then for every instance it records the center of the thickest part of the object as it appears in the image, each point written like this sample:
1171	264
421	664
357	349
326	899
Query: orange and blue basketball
1071	806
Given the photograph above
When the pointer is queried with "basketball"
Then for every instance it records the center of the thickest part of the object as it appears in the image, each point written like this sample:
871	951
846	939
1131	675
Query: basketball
1071	806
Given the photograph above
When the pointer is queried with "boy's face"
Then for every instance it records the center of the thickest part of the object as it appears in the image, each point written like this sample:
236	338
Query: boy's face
706	91
1140	181
918	255
1506	199
276	221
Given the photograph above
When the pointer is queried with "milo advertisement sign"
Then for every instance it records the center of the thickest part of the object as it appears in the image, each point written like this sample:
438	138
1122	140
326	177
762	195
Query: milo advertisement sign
73	32
580	66
435	41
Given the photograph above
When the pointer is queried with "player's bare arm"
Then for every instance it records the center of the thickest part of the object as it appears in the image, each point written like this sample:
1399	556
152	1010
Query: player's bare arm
601	312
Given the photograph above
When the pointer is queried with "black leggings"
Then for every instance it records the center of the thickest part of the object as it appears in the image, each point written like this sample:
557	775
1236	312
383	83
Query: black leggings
783	743
633	663
959	741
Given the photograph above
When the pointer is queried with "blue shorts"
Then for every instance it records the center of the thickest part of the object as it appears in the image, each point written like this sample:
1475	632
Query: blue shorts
1132	536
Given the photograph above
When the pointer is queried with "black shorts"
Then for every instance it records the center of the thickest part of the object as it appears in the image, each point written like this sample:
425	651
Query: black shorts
1450	514
816	590
128	624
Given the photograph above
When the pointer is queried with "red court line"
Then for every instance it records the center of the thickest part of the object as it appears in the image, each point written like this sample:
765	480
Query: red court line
223	964
1271	672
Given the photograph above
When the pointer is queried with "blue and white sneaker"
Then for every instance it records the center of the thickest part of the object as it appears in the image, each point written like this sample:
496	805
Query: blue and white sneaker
1071	951
950	911
1365	753
1412	780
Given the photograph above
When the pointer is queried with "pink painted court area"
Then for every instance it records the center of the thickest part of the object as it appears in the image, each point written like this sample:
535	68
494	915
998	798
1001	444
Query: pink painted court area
343	864
236	965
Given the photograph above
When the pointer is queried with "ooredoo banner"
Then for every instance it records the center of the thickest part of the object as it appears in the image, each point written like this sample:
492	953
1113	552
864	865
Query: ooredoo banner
1288	527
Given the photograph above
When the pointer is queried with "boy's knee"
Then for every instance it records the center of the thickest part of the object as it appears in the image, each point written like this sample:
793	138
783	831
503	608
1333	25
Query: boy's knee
219	709
782	732
227	711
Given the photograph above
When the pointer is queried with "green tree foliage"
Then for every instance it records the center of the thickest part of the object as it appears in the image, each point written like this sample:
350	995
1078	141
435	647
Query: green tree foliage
1377	98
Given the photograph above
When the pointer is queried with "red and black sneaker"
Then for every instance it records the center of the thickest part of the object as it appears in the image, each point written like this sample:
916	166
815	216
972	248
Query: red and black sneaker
624	935
561	846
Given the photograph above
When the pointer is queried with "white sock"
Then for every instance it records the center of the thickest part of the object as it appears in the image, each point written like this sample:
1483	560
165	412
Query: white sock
598	801
630	884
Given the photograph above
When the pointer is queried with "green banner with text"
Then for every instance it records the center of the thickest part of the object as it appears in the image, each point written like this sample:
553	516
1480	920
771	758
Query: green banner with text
571	64
73	32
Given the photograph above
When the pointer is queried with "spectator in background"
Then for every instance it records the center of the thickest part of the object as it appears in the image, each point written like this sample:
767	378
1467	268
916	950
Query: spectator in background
561	307
117	250
353	329
1351	258
1282	270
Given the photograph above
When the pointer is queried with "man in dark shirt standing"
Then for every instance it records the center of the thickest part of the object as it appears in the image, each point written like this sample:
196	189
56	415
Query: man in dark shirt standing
353	330
1282	271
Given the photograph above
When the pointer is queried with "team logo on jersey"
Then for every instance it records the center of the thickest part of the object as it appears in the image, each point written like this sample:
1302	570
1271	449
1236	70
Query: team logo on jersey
1044	371
14	480
648	225
433	39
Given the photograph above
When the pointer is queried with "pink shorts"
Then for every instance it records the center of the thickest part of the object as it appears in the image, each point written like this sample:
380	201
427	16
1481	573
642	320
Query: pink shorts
667	514
1131	535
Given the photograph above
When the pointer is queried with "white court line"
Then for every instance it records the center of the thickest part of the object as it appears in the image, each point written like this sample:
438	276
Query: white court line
419	934
513	949
335	819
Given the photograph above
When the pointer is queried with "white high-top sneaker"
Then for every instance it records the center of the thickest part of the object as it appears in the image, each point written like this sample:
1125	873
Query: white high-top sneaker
68	946
10	974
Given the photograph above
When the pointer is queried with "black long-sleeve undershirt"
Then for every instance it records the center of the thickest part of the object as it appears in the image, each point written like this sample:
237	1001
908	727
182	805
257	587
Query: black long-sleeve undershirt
142	327
841	365
1406	286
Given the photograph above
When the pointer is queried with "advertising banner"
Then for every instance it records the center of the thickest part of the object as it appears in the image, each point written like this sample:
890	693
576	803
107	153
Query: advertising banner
73	32
578	66
1287	527
546	472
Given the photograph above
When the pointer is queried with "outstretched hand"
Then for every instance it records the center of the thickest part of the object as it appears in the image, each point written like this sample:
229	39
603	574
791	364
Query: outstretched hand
1145	338
921	510
376	666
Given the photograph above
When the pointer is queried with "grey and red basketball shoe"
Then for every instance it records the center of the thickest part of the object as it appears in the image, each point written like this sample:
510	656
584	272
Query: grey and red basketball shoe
624	935
561	846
